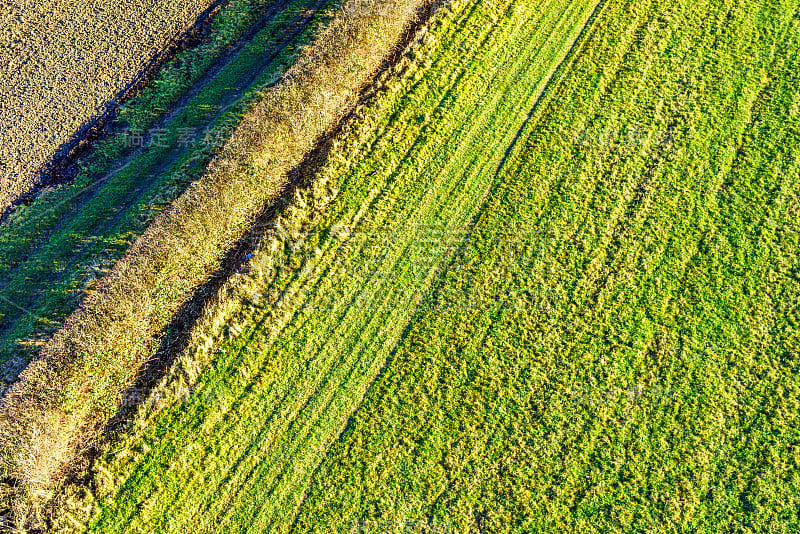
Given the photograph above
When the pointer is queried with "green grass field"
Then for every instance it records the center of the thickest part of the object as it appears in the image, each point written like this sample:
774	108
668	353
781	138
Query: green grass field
656	389
546	280
513	314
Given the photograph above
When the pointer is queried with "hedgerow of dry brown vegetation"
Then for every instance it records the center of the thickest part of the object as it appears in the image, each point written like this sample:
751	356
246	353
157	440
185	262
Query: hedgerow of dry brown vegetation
64	397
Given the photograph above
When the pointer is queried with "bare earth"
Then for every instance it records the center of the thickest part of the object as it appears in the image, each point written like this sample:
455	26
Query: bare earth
61	61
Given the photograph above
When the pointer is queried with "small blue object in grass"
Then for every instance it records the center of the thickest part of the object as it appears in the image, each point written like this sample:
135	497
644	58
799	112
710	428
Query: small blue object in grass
248	256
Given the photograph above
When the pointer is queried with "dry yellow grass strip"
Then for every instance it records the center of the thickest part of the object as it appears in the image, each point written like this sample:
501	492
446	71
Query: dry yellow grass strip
65	397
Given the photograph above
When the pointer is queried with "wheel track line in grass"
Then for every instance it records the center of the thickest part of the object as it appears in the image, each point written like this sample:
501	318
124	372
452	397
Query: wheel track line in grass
517	135
476	157
251	446
546	89
469	124
299	410
546	83
326	375
536	99
447	97
313	422
408	224
605	88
